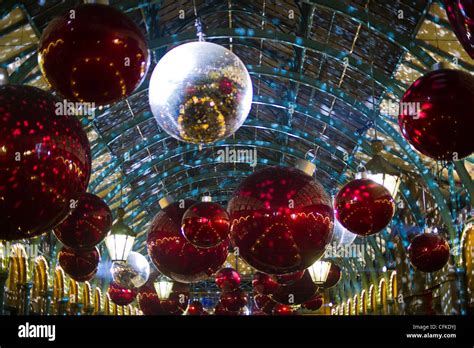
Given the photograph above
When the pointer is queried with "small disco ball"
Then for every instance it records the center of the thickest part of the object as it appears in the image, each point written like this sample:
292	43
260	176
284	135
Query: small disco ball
200	92
131	274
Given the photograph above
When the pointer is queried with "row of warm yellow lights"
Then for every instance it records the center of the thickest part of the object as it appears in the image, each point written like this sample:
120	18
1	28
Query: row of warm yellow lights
367	301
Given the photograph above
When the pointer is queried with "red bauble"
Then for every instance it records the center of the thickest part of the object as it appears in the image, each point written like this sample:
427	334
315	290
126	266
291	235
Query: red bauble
86	278
264	303
314	304
461	17
289	278
281	220
228	279
99	56
173	255
226	86
296	293
333	278
150	304
121	296
234	300
79	264
364	207
264	283
428	252
206	224
281	309
45	162
442	129
87	225
195	308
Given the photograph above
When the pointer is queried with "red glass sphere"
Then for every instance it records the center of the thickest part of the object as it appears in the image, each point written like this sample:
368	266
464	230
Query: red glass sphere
228	279
79	264
281	220
444	98
289	278
87	225
364	207
333	278
428	252
86	278
99	55
296	293
206	224
234	300
150	304
45	162
121	296
195	308
281	309
314	304
264	283
173	255
461	17
264	303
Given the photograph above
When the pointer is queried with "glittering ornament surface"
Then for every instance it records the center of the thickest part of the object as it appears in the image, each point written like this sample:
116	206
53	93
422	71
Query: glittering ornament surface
150	304
93	53
79	264
195	308
200	92
264	283
281	309
234	300
87	225
428	252
298	292
228	279
281	220
285	279
131	274
206	224
264	303
442	126
45	162
121	296
173	255
364	207
314	303
461	16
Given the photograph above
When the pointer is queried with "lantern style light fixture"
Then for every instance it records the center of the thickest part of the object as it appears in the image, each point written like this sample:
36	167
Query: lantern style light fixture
381	171
163	287
319	271
120	239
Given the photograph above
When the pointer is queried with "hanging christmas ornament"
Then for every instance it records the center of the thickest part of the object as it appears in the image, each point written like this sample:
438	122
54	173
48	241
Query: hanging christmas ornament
87	225
87	277
428	252
436	102
151	304
234	300
93	53
264	303
173	255
205	224
334	275
131	274
200	92
121	296
195	308
45	162
461	16
264	283
364	207
228	279
79	264
290	278
282	219
314	303
296	293
281	309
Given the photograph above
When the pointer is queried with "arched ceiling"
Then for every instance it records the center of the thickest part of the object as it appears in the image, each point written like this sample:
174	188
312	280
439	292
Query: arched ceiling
322	71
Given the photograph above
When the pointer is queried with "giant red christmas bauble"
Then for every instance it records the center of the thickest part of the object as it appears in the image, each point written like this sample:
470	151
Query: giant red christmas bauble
228	279
333	278
461	17
93	53
206	224
150	304
281	309
295	293
173	255
121	296
314	303
428	252
364	207
234	300
442	128
281	220
195	308
285	279
87	225
45	162
264	283
264	303
79	264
